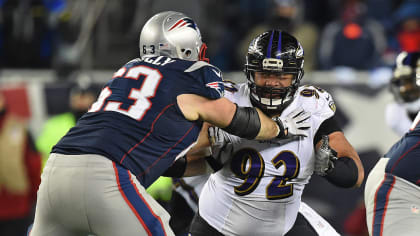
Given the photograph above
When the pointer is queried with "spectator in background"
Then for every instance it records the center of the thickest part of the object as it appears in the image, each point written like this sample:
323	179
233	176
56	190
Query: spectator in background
400	114
74	23
407	26
353	41
321	12
286	15
82	95
20	170
26	38
47	33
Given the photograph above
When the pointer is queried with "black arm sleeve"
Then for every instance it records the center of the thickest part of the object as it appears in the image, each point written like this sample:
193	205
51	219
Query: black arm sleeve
245	123
177	169
327	127
344	174
213	163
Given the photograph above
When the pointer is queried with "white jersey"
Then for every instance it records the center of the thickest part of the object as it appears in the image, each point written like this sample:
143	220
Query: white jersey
319	224
259	191
397	118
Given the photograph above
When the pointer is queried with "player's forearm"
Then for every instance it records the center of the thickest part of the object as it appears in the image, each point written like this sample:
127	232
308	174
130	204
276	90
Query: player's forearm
189	165
196	164
245	122
360	170
196	167
269	129
344	149
252	123
352	154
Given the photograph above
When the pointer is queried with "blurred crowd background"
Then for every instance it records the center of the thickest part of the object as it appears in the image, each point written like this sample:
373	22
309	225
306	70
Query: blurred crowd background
103	34
55	55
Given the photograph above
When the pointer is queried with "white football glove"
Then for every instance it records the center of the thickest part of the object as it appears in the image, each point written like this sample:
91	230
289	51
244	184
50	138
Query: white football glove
324	158
293	125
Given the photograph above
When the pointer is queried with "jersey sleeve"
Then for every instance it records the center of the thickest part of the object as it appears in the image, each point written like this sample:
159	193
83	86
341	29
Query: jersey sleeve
230	89
318	102
209	80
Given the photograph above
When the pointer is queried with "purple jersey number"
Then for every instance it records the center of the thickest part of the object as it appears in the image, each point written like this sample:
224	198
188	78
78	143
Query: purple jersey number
248	165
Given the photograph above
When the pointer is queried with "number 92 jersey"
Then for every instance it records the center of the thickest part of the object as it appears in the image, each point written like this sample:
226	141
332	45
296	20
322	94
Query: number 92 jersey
136	121
259	191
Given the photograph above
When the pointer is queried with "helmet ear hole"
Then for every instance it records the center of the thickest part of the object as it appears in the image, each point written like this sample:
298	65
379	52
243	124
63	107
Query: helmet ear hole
187	53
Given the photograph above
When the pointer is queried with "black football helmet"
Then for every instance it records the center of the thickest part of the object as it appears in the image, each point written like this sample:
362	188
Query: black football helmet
405	83
274	51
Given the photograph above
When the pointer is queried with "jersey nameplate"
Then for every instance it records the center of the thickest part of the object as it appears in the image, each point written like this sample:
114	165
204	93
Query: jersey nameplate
159	61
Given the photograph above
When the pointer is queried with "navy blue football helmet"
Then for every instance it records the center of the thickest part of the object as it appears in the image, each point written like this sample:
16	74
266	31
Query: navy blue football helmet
274	51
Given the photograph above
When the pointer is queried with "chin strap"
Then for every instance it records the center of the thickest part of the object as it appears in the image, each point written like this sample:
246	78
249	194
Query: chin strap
202	54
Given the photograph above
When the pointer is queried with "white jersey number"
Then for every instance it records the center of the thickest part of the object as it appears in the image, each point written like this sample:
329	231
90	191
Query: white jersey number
140	96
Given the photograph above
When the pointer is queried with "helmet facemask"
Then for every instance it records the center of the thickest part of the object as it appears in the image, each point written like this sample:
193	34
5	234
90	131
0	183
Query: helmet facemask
271	98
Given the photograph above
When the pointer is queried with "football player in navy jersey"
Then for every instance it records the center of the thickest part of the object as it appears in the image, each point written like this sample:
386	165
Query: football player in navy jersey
148	115
392	191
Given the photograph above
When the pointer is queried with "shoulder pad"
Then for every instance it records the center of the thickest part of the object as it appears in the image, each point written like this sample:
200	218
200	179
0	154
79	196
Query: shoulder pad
230	86
199	64
319	95
134	61
206	66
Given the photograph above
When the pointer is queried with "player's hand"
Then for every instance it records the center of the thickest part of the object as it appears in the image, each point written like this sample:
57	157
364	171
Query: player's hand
221	144
324	157
217	137
294	124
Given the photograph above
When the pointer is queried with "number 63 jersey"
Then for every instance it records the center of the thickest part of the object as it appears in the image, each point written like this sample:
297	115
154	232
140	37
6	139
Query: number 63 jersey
258	191
136	121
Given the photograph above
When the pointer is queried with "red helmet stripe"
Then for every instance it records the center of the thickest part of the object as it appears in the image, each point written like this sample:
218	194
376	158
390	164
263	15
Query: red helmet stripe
176	24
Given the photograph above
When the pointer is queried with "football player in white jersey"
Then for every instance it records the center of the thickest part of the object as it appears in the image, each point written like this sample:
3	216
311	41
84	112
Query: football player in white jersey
184	204
258	191
406	90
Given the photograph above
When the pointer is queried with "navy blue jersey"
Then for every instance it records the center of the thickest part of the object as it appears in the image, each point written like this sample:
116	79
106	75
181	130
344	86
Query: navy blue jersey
136	121
405	157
